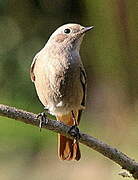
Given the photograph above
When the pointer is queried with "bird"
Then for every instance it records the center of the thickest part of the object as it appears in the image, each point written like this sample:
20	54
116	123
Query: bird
60	81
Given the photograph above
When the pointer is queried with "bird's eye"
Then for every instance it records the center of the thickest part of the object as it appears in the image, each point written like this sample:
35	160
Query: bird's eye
67	31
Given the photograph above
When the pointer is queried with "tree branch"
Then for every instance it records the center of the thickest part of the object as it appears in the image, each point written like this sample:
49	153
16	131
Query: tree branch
112	153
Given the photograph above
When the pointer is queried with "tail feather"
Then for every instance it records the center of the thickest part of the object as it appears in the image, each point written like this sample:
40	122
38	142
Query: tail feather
65	148
68	149
76	150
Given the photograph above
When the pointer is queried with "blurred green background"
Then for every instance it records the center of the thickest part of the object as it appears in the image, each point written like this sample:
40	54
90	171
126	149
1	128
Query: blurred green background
109	54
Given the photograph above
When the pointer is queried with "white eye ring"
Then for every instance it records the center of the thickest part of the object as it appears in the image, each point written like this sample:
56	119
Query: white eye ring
67	31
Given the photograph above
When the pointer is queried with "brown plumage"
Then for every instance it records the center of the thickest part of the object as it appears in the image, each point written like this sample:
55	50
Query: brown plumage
60	81
68	149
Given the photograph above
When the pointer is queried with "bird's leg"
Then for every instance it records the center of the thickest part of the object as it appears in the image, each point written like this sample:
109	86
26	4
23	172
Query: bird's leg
74	119
46	109
43	119
74	130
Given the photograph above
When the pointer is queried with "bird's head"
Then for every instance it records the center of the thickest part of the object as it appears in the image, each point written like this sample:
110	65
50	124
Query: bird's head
69	36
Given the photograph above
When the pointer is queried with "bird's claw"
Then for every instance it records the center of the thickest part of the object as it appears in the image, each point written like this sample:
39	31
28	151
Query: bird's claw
74	131
42	119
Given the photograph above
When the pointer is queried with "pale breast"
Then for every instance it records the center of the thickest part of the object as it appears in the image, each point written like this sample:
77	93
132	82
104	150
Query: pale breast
58	83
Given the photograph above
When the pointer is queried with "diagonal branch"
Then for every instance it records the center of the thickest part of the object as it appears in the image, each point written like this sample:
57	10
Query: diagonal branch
112	153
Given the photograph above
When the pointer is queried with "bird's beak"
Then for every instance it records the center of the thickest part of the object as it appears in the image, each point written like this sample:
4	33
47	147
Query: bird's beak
87	28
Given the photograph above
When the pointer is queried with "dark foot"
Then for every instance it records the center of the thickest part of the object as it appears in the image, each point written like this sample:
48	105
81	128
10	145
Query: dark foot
43	119
74	131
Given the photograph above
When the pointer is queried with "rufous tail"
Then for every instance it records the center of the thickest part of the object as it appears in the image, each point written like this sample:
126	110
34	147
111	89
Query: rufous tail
68	149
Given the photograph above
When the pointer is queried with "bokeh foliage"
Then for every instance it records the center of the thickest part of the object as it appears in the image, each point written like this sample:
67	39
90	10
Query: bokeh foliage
110	56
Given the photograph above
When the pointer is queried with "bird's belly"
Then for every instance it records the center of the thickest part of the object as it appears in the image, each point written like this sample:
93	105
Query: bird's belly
61	92
65	93
58	86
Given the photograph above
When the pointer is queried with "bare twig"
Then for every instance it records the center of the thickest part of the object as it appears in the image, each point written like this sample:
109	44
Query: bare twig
112	153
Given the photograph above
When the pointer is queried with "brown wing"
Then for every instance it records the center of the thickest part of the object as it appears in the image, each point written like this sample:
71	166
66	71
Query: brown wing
83	80
32	75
